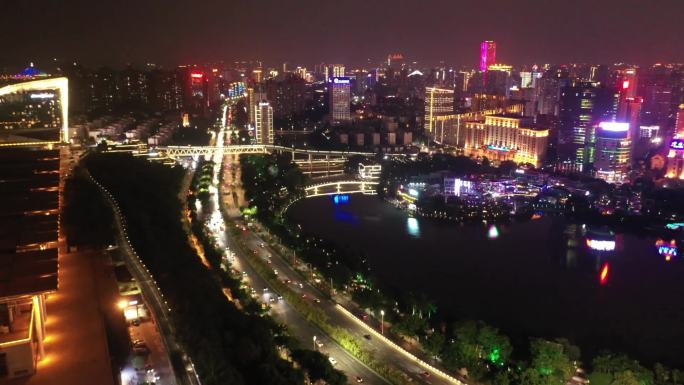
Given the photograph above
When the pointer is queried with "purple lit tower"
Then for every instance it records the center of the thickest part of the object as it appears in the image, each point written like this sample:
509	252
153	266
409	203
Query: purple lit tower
487	54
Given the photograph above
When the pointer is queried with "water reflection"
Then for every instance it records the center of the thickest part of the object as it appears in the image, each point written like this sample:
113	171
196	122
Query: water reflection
493	232
412	227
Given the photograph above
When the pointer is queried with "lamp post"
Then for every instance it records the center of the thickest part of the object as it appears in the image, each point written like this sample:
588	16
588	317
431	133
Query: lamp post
382	322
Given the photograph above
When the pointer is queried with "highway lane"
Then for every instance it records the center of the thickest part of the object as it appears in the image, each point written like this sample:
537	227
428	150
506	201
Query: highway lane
381	350
297	324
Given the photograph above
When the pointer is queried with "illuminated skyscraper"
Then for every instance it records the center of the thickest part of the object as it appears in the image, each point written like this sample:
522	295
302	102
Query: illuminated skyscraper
33	120
254	96
679	122
338	70
613	151
439	111
258	75
263	121
340	94
487	54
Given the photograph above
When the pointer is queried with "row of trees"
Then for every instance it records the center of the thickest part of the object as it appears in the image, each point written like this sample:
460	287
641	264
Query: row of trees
315	364
226	344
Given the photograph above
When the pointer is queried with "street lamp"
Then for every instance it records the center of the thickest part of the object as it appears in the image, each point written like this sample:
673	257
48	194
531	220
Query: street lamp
382	322
314	342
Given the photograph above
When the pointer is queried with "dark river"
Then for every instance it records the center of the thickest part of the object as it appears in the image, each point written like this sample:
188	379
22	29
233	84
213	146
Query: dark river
535	278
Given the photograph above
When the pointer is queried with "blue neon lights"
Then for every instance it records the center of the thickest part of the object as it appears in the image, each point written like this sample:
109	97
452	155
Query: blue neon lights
677	144
341	199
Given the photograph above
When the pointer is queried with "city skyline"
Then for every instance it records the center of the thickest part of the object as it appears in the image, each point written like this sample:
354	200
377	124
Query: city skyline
170	33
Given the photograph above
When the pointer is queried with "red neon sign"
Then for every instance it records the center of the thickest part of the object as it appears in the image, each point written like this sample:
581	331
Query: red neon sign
196	75
603	277
625	84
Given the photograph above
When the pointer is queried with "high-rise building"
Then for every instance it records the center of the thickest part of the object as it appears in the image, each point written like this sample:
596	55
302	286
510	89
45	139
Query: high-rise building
487	54
340	99
263	123
254	96
258	75
439	111
33	119
679	121
628	83
507	137
287	96
629	111
338	70
582	106
613	151
548	94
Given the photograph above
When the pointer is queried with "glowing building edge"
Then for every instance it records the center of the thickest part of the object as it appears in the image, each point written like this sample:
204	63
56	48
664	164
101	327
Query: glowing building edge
601	245
60	84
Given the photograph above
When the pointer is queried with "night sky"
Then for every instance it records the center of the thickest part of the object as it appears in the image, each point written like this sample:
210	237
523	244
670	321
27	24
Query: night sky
304	32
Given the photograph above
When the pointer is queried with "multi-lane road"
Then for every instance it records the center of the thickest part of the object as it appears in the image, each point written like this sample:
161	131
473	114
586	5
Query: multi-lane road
298	325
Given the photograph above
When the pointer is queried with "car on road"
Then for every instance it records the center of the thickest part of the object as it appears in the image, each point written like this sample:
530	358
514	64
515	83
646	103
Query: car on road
265	290
275	271
367	336
317	300
319	344
262	245
425	374
280	298
359	379
332	361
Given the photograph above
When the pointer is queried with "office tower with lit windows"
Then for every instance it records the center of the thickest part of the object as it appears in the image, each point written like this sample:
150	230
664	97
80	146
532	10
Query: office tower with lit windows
195	90
613	151
254	96
439	112
487	54
286	95
263	123
507	137
629	111
258	75
33	122
679	121
675	155
581	107
338	70
340	99
547	95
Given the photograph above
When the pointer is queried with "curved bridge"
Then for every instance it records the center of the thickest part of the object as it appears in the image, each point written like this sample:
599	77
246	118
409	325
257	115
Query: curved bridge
183	151
341	187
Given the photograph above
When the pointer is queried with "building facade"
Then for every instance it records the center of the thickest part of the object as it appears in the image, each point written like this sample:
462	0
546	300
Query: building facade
263	123
439	112
487	54
613	151
340	99
506	137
